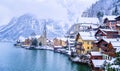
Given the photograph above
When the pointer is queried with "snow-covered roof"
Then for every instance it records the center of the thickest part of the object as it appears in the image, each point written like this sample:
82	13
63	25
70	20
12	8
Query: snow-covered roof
98	63
109	17
94	26
87	35
115	43
92	20
94	53
118	24
111	39
117	49
108	30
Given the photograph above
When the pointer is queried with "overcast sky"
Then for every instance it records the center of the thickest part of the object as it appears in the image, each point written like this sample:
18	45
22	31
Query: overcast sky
41	8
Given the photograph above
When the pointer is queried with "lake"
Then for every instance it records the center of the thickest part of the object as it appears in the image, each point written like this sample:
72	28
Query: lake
19	59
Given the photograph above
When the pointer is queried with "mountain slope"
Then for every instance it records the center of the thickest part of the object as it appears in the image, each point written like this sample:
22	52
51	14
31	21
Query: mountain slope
28	24
25	25
107	7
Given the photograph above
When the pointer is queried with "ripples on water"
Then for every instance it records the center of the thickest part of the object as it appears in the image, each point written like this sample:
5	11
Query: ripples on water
19	59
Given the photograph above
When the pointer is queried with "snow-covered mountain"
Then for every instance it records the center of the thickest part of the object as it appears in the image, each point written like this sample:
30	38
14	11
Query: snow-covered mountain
28	24
106	7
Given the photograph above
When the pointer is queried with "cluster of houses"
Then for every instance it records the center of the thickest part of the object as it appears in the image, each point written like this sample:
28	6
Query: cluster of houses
40	41
31	41
100	41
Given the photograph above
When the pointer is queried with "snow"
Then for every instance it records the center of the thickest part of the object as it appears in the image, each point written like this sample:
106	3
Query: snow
115	43
92	20
117	49
87	35
22	39
98	63
109	17
110	39
111	61
62	38
37	36
96	53
88	25
118	24
108	30
115	66
88	38
57	46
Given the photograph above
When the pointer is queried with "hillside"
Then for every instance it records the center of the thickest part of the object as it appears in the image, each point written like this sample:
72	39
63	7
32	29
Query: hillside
105	7
28	24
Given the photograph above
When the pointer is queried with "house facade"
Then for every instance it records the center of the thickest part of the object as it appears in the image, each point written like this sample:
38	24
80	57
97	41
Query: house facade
87	39
59	42
96	55
110	21
118	23
106	33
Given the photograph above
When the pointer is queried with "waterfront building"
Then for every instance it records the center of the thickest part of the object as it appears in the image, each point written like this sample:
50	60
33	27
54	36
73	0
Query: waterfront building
87	39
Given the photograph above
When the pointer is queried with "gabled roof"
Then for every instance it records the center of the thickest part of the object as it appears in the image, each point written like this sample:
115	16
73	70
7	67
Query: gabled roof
117	18
98	63
107	30
111	39
115	43
94	53
87	35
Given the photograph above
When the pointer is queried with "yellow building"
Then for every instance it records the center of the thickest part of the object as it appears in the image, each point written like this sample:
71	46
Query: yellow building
87	39
59	42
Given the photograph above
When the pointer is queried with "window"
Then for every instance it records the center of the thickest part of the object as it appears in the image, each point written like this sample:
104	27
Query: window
87	47
112	22
89	42
91	47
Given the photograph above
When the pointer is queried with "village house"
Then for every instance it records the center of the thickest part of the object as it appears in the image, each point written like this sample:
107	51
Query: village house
110	21
98	65
27	42
108	47
118	23
61	42
106	33
87	39
96	55
71	38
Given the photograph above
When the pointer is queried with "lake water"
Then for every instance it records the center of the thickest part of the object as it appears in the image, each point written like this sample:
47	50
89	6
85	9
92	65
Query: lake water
20	59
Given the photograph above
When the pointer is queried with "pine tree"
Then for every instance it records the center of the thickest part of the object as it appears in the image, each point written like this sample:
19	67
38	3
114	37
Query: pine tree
100	15
115	12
